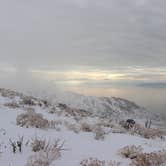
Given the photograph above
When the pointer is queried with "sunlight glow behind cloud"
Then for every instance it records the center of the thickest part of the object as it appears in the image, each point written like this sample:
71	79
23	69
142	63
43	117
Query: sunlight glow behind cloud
86	76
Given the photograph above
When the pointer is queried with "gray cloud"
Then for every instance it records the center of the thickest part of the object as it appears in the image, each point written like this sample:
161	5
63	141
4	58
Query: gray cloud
109	36
69	33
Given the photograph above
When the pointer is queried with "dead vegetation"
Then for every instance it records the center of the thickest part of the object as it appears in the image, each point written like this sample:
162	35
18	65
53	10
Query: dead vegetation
114	163
38	144
45	152
12	105
86	127
96	129
73	112
28	101
99	133
32	119
147	132
55	124
96	162
72	127
92	162
130	151
10	94
39	159
150	159
17	144
143	131
139	158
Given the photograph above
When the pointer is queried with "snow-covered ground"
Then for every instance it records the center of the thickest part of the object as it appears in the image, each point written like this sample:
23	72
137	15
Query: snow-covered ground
78	146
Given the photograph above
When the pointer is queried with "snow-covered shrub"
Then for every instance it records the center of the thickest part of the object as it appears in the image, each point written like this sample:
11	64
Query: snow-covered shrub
92	162
72	127
38	144
118	129
96	162
55	124
86	127
105	123
38	159
52	110
99	133
150	159
13	145
43	158
147	132
148	123
130	151
45	152
32	119
114	163
28	101
20	143
3	131
8	93
12	105
73	112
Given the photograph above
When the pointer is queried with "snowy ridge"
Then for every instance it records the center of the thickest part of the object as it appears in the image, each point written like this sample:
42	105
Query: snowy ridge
102	106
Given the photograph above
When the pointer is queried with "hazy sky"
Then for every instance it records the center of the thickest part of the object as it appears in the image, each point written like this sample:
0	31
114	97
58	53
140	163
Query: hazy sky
83	43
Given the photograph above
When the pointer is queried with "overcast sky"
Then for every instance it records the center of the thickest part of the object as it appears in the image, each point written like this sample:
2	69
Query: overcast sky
96	42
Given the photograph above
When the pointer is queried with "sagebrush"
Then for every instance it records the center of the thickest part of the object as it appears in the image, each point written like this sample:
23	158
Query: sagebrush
32	119
150	159
130	151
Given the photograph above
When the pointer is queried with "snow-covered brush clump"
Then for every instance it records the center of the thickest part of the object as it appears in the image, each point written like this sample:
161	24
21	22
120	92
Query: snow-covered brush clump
152	159
97	162
43	132
44	152
130	151
32	119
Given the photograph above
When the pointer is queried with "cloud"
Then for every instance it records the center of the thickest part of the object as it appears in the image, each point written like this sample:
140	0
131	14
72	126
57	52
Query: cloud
153	85
83	41
124	76
53	34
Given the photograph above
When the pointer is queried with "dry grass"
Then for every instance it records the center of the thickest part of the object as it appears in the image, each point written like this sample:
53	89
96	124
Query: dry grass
12	105
130	151
114	163
143	131
27	100
147	132
150	159
38	144
72	127
99	133
55	124
32	119
86	127
67	111
92	162
8	93
39	159
96	162
45	152
108	124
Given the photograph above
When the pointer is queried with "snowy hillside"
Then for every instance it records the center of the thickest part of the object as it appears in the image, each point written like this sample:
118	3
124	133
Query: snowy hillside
102	106
57	134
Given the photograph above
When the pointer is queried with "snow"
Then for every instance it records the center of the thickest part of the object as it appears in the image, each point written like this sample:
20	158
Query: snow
77	146
103	106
